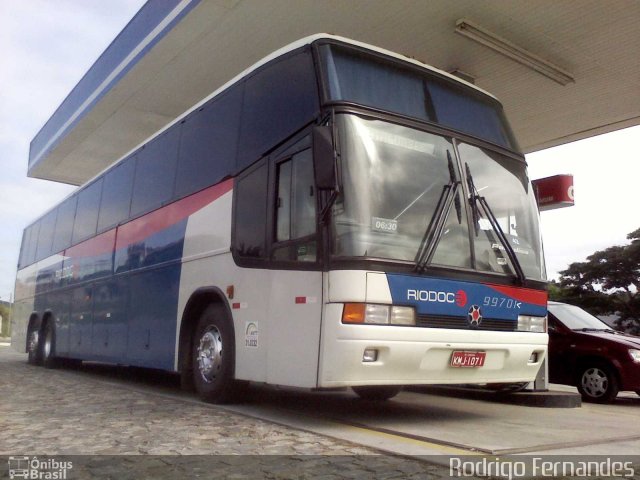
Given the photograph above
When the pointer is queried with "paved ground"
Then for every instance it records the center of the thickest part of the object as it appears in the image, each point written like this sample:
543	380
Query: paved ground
142	434
128	423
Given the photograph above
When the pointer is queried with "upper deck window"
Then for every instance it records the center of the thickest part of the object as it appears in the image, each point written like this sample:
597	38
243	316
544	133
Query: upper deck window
387	84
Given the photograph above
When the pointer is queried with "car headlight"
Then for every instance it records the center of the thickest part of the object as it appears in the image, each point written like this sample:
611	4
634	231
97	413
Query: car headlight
529	323
635	355
378	314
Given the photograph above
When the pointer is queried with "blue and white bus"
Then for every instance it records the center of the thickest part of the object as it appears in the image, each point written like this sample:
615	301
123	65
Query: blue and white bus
335	216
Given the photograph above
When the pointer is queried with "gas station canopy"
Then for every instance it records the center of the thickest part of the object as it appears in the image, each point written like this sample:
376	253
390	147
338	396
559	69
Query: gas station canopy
564	70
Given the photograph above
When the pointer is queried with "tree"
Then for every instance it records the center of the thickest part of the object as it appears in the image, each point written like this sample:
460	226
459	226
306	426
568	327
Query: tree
608	282
4	313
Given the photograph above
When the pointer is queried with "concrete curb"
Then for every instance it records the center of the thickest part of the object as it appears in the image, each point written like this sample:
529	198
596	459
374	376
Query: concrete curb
543	399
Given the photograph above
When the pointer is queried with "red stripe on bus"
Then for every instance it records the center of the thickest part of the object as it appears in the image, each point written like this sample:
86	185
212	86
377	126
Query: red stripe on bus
527	295
97	245
141	228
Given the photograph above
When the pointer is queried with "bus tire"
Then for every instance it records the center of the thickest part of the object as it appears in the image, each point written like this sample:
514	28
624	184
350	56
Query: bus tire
377	393
48	345
34	349
213	357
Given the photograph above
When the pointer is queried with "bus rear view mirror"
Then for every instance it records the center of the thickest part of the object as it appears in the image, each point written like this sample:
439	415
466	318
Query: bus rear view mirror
324	158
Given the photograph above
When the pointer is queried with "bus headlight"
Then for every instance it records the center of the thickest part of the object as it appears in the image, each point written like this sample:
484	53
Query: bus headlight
528	323
378	314
635	355
403	316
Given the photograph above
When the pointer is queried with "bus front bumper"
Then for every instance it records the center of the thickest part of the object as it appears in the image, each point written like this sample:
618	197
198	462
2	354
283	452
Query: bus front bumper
423	356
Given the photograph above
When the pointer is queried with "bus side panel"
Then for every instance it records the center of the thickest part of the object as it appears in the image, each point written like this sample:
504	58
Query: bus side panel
294	328
148	255
208	263
24	305
110	319
276	314
81	322
22	310
48	284
84	264
152	317
59	306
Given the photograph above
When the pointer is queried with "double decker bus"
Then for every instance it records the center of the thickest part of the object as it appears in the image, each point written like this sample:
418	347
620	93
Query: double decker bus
335	216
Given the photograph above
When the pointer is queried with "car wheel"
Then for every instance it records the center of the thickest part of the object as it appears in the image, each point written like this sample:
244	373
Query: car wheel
598	383
377	393
213	357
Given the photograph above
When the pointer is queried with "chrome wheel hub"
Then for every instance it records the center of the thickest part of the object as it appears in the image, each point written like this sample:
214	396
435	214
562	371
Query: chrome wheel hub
210	354
595	382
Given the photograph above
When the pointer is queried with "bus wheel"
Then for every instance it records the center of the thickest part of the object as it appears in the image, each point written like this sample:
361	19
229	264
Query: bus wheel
377	393
598	383
33	347
48	353
213	357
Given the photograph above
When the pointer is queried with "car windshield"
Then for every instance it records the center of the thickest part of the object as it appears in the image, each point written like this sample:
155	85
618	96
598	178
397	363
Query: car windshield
393	178
576	318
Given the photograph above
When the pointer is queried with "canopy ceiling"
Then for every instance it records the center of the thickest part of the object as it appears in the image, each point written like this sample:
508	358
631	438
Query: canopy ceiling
174	53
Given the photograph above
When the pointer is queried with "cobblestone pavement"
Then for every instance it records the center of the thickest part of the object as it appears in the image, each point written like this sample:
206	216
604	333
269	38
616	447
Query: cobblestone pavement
124	432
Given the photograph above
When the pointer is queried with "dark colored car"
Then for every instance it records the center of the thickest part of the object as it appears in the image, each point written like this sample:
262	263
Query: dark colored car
587	353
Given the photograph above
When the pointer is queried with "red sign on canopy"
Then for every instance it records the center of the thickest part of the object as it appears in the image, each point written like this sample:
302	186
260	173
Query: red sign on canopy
554	192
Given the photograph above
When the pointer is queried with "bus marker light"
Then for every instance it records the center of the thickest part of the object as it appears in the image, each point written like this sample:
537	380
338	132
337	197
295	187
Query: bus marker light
374	314
353	313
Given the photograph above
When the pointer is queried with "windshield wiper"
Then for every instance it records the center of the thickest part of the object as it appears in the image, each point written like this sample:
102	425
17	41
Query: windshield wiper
438	220
474	200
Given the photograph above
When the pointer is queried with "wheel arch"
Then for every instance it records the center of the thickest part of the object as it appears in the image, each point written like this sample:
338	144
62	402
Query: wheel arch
196	305
586	360
46	318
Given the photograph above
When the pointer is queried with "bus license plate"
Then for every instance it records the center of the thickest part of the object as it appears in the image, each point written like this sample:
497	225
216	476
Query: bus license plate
468	359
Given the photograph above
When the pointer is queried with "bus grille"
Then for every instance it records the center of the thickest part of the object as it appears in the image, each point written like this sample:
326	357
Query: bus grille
459	323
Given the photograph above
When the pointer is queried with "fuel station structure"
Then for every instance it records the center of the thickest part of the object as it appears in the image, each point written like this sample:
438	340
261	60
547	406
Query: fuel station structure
563	70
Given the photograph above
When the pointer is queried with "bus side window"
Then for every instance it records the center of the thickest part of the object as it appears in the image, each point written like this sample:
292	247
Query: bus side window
295	209
87	212
64	224
45	235
250	217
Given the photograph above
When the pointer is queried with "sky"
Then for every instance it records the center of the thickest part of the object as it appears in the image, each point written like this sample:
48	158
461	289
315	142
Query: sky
47	46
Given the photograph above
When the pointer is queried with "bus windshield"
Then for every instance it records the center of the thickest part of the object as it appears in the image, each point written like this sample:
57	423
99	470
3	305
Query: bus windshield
392	181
